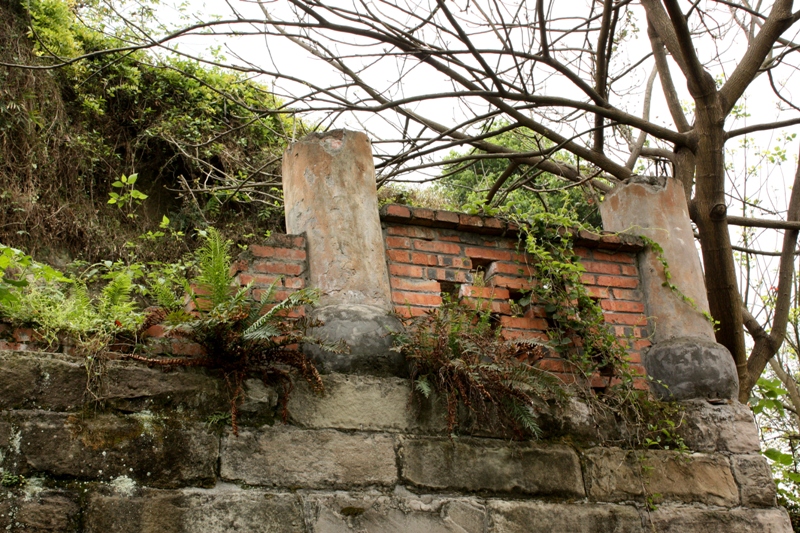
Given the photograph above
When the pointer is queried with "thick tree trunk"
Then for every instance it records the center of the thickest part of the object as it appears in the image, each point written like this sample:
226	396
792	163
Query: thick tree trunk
715	243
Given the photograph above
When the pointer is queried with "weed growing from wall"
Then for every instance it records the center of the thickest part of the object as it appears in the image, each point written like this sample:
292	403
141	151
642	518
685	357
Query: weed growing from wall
240	336
456	353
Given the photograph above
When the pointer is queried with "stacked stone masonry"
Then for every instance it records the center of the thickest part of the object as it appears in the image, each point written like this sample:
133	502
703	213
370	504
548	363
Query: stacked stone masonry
356	460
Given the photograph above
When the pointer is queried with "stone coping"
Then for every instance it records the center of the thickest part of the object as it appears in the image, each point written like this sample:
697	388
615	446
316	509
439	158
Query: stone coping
437	218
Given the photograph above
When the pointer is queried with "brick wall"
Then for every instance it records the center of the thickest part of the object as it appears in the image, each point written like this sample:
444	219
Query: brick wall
431	253
478	261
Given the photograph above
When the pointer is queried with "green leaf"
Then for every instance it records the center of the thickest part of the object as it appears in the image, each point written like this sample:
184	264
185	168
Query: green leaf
118	184
778	456
138	195
132	179
164	222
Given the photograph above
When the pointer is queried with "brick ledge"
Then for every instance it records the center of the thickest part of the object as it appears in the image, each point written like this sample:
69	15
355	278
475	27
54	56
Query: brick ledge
420	216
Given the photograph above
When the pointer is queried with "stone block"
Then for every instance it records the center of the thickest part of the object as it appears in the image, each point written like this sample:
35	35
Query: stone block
17	380
284	456
150	450
691	367
756	486
471	464
47	511
615	475
219	510
726	427
362	403
684	519
132	386
524	517
400	512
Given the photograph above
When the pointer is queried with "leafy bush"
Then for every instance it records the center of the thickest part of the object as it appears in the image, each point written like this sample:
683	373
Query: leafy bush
36	295
456	353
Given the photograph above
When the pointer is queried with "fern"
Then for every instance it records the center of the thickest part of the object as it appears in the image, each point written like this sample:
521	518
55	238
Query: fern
214	281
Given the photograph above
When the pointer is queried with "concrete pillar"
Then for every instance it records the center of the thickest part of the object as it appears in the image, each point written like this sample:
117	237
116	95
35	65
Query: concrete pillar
330	195
685	361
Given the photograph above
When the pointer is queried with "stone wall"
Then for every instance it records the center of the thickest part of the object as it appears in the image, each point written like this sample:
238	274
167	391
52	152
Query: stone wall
359	459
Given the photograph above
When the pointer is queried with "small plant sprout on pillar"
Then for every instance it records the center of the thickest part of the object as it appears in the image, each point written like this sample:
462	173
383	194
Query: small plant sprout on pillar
685	361
330	194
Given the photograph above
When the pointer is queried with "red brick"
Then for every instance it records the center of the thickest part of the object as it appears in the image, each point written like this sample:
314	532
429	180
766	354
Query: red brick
270	267
469	221
511	283
524	323
256	279
418	258
587	279
415	285
634	357
401	256
629	270
238	266
450	238
455	262
601	268
536	311
641	344
277	296
448	217
409	271
495	306
186	348
23	334
13	346
620	257
597	292
494	223
582	252
410	311
399	211
553	365
621	318
422	215
514	269
438	247
511	334
617	281
488	253
156	330
488	293
398	242
412	231
623	294
448	274
294	283
622	306
416	298
278	253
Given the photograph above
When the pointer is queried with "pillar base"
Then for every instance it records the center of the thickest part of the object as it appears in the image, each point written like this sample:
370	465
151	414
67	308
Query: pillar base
691	367
367	332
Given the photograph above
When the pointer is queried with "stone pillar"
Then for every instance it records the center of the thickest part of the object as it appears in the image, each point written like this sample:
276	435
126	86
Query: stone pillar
330	195
685	361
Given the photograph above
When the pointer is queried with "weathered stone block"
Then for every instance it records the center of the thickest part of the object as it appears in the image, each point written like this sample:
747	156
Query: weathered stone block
151	450
396	513
683	519
48	511
284	456
361	403
691	367
222	509
615	475
756	487
524	517
727	427
491	465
